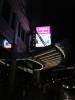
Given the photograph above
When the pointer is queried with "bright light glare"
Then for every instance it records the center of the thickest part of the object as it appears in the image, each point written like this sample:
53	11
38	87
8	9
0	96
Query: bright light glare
6	44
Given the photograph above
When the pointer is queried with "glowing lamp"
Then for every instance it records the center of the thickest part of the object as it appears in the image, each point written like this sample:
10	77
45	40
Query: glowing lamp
6	44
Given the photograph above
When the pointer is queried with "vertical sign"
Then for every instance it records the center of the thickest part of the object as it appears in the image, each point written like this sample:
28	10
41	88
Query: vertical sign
45	33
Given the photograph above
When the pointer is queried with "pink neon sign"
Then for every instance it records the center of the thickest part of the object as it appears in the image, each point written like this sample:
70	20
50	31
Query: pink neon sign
45	33
43	29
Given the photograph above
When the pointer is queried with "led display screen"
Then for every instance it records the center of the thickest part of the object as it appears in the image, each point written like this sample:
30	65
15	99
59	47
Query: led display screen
43	36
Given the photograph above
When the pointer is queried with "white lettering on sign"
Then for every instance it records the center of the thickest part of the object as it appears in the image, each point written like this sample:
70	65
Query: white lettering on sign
44	29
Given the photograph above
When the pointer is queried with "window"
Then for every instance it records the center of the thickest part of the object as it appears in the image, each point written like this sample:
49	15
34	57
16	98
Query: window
22	34
19	29
6	11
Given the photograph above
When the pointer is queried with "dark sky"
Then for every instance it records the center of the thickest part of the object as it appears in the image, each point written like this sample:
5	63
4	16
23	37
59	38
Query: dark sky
61	19
59	15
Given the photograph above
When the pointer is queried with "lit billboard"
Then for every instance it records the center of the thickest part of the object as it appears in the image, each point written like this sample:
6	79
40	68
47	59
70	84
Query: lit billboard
43	36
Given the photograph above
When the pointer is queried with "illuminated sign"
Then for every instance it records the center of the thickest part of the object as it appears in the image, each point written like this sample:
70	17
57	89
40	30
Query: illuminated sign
45	33
6	44
43	29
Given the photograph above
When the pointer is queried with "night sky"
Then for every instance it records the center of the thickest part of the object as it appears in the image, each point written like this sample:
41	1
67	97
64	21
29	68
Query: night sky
59	15
62	19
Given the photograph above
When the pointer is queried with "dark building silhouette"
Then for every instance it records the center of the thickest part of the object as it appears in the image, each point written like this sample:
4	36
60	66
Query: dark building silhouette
13	21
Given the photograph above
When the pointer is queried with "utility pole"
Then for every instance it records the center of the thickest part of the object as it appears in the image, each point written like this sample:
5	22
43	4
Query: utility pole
12	72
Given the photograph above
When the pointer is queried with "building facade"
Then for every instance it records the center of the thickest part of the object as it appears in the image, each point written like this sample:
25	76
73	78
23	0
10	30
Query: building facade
13	22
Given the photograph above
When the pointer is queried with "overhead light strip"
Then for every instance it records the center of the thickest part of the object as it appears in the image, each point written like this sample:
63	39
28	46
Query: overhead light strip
60	50
49	65
56	56
2	62
42	54
37	63
49	55
52	62
51	59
